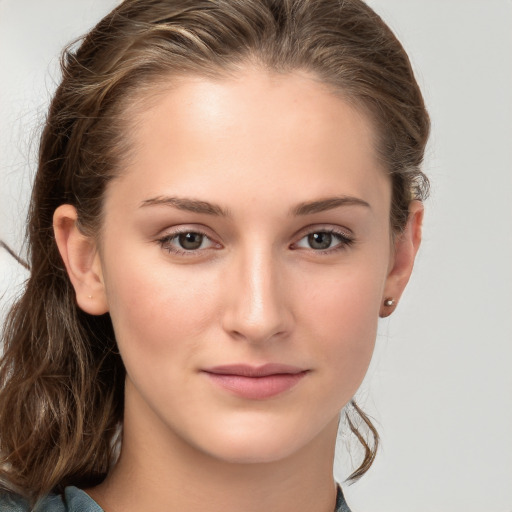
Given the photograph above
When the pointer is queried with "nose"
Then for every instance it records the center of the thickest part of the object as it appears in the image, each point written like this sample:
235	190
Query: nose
257	308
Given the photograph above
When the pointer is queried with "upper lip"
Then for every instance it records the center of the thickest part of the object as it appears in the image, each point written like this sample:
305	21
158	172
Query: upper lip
246	370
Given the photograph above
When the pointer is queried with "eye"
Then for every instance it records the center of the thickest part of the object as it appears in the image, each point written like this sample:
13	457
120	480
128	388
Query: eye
324	240
190	241
187	242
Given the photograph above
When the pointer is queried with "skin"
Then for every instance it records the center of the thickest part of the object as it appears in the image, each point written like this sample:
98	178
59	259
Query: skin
259	147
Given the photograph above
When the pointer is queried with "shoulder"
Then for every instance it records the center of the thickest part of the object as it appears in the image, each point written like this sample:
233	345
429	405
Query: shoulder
15	503
12	503
73	500
341	504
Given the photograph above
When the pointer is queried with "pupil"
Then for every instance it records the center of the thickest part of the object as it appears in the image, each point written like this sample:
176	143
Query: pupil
190	241
320	240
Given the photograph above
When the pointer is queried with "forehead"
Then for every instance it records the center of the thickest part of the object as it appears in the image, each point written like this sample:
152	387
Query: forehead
259	131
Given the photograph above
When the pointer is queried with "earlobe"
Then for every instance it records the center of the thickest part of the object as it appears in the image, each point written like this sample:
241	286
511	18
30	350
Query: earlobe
406	246
81	258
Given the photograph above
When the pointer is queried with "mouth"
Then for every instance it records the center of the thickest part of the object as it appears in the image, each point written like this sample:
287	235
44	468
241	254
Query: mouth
256	382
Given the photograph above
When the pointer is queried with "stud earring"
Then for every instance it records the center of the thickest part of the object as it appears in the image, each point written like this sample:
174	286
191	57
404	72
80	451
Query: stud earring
389	302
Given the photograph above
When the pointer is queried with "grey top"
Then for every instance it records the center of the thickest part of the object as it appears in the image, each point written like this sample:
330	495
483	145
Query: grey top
73	500
76	500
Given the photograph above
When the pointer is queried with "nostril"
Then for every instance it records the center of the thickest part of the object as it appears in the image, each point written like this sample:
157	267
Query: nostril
258	332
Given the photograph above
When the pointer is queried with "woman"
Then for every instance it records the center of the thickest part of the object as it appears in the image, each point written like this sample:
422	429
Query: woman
228	197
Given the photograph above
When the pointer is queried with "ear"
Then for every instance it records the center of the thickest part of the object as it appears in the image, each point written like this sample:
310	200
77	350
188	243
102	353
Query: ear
405	247
82	261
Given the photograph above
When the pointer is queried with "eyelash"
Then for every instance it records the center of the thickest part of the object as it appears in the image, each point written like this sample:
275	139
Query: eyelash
344	241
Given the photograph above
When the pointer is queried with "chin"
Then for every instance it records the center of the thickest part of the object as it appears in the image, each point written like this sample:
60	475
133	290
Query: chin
255	453
261	444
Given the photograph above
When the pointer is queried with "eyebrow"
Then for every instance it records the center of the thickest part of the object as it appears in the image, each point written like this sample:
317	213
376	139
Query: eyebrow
328	203
187	204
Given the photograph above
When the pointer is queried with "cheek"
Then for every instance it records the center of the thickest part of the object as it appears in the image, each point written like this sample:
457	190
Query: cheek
157	308
342	317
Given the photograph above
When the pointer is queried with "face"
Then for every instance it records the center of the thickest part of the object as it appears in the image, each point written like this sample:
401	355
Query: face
244	257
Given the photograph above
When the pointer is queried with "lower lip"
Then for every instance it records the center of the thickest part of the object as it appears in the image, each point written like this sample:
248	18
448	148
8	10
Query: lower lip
257	388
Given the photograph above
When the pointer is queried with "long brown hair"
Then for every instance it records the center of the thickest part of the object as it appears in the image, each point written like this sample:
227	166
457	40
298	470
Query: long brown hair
61	377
